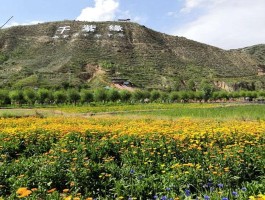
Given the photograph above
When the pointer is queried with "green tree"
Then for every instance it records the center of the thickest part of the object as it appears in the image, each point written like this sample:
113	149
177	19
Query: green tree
164	97
207	90
86	96
191	95
43	96
177	84
223	95
235	95
4	98
60	97
73	96
125	95
184	96
215	96
155	95
138	95
199	96
30	96
100	95
242	93
174	96
191	85
113	95
17	97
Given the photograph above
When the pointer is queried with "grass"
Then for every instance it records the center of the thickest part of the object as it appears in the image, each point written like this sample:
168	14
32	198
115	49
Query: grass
241	112
157	110
194	110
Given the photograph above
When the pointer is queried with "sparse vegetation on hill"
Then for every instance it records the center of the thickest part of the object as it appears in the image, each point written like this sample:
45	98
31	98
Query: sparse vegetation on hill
44	55
257	51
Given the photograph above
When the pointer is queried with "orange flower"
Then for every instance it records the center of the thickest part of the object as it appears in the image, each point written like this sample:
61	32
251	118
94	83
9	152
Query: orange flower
23	192
51	190
66	190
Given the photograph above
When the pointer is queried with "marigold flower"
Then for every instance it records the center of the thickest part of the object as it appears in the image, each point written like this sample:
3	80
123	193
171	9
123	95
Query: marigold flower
23	192
65	190
51	190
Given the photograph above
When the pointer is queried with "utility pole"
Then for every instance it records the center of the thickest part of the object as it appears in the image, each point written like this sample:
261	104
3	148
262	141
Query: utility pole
6	22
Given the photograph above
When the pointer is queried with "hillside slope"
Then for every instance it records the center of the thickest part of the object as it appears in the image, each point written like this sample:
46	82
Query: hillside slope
257	51
95	53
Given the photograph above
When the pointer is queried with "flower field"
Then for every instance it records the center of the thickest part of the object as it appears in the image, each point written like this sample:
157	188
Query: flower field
131	158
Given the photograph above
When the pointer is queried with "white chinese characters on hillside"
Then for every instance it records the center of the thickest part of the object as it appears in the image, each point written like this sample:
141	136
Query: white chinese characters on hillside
89	28
63	32
116	28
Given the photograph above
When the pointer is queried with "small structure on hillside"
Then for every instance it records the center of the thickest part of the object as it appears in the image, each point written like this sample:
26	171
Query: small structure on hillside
124	20
121	81
261	70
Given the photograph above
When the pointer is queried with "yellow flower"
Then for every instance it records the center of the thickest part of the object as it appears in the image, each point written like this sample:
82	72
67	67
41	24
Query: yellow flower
68	198
261	197
23	192
65	190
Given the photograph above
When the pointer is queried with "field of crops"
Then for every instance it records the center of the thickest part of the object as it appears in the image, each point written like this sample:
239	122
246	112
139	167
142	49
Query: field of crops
123	157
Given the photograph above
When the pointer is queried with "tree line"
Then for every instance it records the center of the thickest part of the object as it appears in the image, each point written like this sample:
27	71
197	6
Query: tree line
33	97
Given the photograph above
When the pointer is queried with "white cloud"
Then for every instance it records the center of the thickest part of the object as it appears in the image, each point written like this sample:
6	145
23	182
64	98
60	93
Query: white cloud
193	4
225	23
103	10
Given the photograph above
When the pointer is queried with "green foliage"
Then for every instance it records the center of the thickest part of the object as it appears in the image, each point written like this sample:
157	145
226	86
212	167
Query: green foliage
207	90
174	96
106	165
100	95
4	98
155	95
113	95
43	96
138	95
30	96
3	58
17	97
191	85
125	95
184	96
73	96
60	97
86	96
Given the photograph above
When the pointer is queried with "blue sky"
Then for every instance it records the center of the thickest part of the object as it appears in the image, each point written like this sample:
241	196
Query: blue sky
223	23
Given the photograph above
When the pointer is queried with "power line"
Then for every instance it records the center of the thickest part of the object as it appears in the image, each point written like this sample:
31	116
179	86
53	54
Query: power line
6	22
